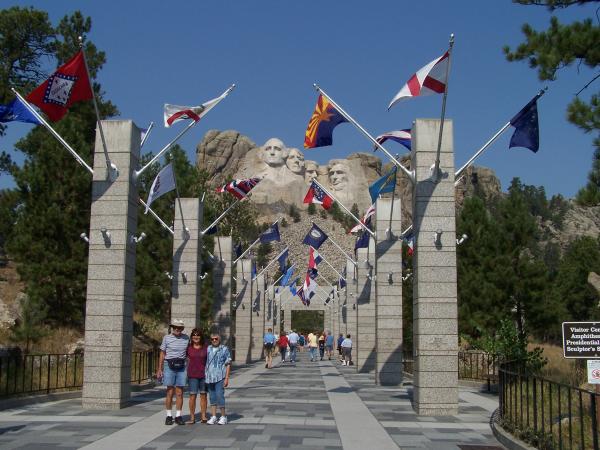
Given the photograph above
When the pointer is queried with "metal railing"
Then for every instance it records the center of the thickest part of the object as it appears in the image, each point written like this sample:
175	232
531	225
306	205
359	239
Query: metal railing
547	414
472	365
47	373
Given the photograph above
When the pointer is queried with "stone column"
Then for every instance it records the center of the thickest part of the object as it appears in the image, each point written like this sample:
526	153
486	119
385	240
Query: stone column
364	357
269	308
434	300
187	264
221	310
258	317
389	293
111	270
243	312
277	313
351	293
287	313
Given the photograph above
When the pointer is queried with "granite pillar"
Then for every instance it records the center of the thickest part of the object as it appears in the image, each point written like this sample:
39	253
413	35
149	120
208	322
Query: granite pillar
434	300
351	297
221	310
243	312
364	355
187	263
111	270
258	317
389	293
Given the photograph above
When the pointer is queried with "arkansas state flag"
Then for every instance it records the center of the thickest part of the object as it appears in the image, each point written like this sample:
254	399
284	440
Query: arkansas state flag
428	80
325	118
317	195
69	84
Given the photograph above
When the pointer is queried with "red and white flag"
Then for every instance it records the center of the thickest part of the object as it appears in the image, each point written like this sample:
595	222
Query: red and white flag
428	80
69	84
317	195
175	113
366	218
239	188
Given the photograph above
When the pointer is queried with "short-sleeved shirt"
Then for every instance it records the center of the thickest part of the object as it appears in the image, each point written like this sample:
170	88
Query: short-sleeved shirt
312	340
175	346
269	338
340	340
197	361
293	338
329	340
347	343
217	359
283	341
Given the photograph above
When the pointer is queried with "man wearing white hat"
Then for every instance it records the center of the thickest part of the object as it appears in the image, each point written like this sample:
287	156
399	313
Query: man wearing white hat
171	369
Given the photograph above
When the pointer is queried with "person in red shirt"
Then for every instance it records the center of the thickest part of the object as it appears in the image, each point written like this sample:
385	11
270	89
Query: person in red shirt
282	343
196	354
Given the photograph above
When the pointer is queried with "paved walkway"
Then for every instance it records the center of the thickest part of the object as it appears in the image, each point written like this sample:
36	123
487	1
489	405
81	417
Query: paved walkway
319	405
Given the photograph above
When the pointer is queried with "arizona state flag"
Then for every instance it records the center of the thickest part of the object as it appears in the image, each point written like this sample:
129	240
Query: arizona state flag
68	85
320	126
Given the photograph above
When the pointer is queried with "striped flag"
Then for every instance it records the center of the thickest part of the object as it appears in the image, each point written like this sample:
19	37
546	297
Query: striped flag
402	137
240	188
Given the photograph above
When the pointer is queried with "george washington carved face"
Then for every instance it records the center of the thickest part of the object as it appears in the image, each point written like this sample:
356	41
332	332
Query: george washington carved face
274	153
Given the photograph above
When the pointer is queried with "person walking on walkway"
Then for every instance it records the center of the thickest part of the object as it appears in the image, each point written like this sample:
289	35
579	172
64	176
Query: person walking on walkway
339	346
196	354
171	369
283	345
322	345
301	342
218	367
312	346
269	342
347	351
329	345
293	339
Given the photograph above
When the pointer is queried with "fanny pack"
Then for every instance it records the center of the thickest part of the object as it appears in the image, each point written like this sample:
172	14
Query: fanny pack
176	363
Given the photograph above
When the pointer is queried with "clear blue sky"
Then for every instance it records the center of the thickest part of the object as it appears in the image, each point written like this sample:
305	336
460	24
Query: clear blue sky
360	52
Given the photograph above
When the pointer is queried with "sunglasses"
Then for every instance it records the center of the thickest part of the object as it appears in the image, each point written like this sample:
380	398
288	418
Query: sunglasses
178	328
214	339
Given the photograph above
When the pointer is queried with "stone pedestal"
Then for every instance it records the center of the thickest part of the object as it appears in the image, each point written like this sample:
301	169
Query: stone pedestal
389	293
187	264
258	317
269	308
221	310
351	298
364	356
243	312
434	301
277	313
111	270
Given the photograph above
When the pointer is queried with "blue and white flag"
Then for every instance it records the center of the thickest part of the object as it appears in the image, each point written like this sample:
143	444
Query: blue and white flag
402	137
315	237
286	278
283	260
270	234
16	111
163	183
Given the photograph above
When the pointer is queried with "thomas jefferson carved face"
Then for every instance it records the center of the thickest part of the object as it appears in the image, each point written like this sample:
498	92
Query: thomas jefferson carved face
338	176
274	153
310	171
295	161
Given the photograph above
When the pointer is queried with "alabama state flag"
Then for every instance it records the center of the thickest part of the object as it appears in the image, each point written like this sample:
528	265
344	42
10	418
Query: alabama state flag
68	85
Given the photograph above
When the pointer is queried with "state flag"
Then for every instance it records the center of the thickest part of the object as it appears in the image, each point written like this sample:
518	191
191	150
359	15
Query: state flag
270	234
240	188
317	195
69	84
315	237
325	118
402	137
176	113
527	131
385	184
366	220
428	80
16	111
163	183
283	260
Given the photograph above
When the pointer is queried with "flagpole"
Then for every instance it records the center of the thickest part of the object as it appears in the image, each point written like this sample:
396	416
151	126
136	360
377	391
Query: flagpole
147	134
408	173
488	143
186	231
255	242
54	133
112	170
156	216
218	219
281	276
405	232
388	232
345	209
137	173
328	282
271	262
436	170
340	248
327	262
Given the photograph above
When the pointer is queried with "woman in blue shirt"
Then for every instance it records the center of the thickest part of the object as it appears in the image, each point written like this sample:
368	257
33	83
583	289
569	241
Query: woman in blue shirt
218	366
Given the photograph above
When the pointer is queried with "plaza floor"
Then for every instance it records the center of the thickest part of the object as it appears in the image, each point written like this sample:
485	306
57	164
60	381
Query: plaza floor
307	405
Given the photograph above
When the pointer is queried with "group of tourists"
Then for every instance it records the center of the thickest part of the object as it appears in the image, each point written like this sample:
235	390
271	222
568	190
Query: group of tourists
203	367
288	344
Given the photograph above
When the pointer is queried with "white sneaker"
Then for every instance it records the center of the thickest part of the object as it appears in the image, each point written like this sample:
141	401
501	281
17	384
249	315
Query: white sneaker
212	420
222	420
343	363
